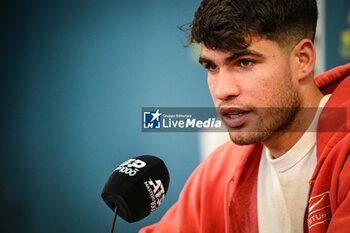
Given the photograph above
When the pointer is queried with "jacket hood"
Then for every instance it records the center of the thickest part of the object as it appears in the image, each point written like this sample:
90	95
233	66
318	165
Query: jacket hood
333	124
328	81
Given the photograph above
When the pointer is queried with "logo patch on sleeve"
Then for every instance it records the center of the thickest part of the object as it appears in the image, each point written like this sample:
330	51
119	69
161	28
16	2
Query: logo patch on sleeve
319	209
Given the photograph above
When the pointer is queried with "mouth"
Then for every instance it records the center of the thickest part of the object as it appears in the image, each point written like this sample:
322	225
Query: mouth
234	117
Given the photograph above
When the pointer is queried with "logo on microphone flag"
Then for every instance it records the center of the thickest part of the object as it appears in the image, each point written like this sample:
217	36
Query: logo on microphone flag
156	191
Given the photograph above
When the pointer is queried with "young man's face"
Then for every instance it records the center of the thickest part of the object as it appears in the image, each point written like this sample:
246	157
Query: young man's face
253	90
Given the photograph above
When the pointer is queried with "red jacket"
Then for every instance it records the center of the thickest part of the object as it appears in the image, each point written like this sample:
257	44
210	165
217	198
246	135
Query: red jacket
221	194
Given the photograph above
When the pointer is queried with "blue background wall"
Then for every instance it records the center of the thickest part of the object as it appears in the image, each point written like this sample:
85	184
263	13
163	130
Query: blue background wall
337	32
75	75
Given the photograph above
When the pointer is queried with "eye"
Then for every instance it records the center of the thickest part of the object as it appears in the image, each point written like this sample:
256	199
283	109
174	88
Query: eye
246	63
211	67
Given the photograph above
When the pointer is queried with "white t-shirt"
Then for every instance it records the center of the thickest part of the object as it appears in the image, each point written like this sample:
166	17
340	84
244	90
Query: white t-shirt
283	183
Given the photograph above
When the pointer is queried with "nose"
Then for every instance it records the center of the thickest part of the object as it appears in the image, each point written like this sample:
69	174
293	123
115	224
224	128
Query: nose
224	85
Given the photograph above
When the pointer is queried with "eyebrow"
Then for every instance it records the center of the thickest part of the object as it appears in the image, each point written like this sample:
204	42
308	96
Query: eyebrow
233	56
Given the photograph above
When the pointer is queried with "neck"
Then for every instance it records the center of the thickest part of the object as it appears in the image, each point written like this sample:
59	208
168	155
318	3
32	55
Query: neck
280	142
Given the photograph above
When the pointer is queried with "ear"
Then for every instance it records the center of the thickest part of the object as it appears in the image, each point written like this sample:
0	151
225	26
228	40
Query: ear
304	56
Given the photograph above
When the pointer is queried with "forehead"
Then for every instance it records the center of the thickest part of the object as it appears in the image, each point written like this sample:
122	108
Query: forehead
206	52
263	47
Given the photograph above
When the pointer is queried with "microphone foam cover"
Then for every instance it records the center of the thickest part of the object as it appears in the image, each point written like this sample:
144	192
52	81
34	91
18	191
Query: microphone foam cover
137	187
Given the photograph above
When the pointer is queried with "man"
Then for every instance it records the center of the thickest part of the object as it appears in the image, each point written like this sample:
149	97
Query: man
285	168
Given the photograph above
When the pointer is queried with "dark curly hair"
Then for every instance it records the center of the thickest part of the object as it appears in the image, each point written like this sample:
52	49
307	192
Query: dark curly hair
231	24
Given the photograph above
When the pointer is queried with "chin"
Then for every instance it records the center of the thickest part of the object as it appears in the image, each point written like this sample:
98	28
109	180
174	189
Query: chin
247	138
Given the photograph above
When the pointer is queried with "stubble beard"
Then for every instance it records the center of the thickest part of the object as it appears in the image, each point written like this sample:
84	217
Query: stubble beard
272	120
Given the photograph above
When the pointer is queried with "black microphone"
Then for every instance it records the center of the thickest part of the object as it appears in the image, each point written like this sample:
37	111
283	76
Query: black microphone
137	187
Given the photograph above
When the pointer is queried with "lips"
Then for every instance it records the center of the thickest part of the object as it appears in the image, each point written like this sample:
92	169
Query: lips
234	117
